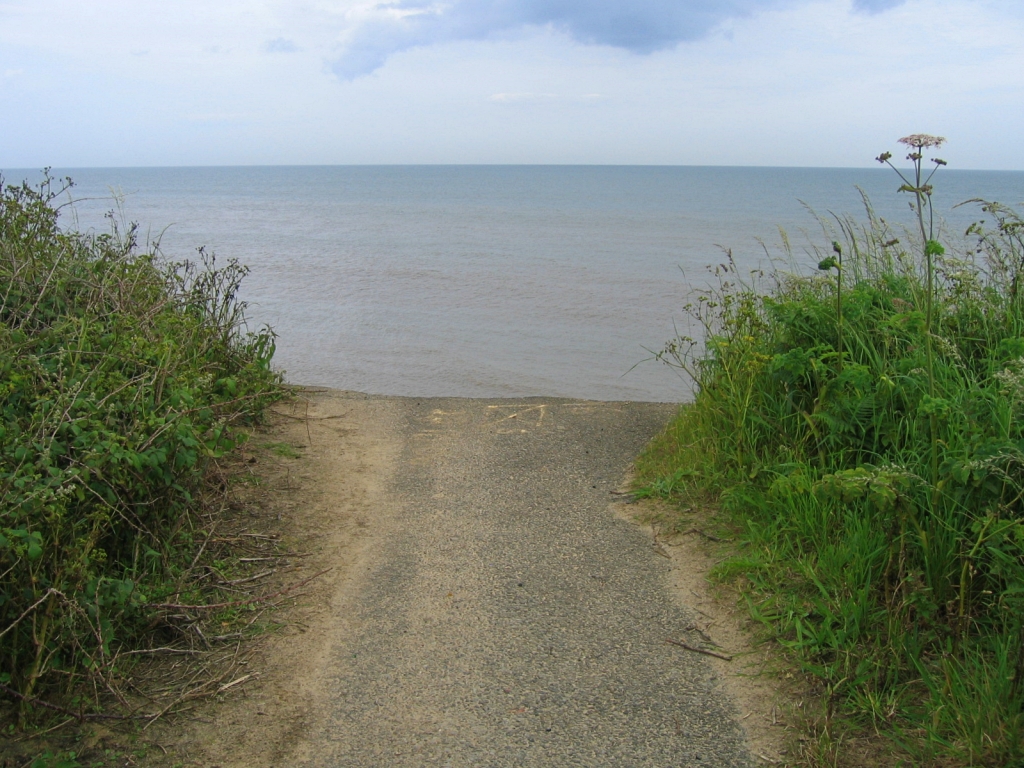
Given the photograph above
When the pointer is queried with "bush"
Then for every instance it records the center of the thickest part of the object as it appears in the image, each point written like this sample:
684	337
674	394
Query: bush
865	427
120	379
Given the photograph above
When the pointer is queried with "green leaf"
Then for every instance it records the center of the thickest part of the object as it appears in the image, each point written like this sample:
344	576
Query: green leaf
934	248
935	405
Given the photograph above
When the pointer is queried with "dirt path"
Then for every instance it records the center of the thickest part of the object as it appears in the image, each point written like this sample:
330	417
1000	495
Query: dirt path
489	605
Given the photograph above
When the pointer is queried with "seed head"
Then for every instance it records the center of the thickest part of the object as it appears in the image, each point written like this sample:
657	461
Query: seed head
922	140
884	157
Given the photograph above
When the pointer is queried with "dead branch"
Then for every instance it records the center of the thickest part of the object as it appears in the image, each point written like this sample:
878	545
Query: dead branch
235	603
27	611
56	708
182	651
233	683
695	649
251	578
707	536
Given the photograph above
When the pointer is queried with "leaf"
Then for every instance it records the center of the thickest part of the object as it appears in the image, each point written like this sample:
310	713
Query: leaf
935	405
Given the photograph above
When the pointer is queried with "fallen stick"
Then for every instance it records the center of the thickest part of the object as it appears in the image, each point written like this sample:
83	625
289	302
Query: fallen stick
250	578
626	497
695	649
707	536
233	683
181	651
307	418
77	715
234	603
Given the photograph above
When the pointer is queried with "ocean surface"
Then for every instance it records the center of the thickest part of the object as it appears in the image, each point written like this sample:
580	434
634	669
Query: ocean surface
491	281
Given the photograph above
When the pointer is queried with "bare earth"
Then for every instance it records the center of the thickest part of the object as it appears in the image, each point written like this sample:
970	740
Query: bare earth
491	602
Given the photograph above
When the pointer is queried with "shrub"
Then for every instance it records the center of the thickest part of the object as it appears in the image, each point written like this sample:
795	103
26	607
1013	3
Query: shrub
121	377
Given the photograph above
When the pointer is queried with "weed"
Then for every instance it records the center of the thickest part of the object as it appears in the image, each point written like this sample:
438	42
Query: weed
284	450
862	428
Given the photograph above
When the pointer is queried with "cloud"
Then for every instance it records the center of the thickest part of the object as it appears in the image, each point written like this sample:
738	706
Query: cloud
217	117
513	98
280	45
528	97
875	6
639	26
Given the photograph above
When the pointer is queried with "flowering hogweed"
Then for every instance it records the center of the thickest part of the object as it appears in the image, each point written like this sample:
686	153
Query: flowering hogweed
862	429
922	140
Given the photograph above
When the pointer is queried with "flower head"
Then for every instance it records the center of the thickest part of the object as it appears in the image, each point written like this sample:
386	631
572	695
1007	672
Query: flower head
922	140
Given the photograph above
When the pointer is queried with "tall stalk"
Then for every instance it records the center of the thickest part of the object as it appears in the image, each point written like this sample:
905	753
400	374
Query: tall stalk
836	263
921	188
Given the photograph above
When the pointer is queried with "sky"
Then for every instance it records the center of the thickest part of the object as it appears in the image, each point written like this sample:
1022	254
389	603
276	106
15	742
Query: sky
832	83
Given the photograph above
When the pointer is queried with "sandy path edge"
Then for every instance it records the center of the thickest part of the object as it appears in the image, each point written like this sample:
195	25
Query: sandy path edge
335	502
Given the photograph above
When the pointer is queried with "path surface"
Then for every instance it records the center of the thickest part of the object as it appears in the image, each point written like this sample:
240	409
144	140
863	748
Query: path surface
489	608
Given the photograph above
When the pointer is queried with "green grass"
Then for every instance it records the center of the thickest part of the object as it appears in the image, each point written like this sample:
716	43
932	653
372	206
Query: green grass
122	379
863	429
284	450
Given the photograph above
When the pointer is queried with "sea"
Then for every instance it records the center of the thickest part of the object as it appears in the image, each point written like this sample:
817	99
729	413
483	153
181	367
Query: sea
495	281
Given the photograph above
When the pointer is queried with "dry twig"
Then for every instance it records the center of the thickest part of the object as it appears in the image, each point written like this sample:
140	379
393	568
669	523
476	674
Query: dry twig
707	536
235	603
695	649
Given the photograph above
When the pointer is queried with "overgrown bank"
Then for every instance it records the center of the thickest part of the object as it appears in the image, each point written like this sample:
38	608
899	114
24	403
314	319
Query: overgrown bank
862	428
121	380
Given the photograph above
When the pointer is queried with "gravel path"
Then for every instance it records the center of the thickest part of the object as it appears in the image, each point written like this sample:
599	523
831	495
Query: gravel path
506	616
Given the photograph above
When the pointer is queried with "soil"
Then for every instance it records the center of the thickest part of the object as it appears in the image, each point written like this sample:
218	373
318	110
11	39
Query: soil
491	599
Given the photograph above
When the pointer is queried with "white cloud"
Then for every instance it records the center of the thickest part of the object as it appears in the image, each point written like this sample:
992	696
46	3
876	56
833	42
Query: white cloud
807	82
280	45
513	98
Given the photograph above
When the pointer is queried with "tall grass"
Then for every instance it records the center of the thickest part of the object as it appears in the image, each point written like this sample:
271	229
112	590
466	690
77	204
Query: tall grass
863	427
121	377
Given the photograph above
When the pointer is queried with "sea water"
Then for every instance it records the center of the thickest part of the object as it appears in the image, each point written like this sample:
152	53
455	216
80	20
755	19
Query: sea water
493	281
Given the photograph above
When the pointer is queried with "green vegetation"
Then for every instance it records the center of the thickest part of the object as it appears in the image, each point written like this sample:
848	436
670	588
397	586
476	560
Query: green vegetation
121	379
863	430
